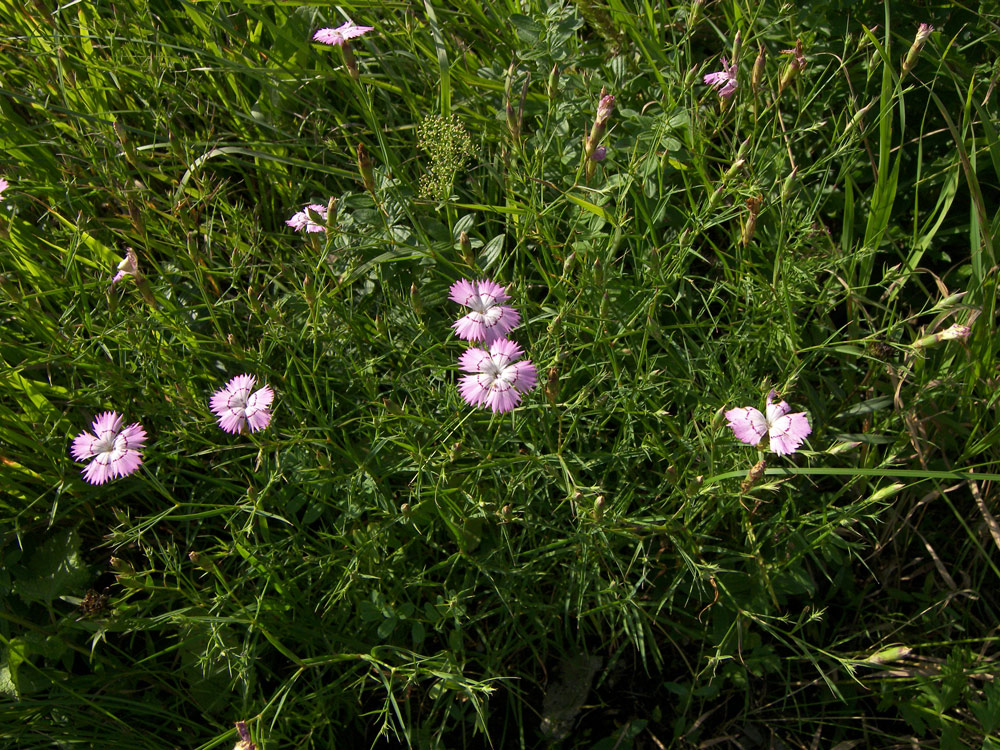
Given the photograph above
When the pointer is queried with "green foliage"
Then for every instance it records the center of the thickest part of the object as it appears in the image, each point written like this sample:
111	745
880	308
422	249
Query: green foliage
448	147
384	565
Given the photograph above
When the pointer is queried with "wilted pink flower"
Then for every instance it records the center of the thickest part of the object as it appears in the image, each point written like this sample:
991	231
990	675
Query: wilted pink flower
236	407
724	80
785	431
488	320
956	332
115	451
604	109
129	266
599	153
341	34
302	220
498	379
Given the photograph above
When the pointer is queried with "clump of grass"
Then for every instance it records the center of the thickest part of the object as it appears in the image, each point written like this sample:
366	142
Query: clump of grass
604	565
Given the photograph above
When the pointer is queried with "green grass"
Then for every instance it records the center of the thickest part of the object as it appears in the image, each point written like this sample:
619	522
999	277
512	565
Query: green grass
385	566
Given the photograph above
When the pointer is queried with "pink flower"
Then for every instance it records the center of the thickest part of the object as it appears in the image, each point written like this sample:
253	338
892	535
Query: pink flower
3	186
341	34
724	80
497	378
115	451
785	431
236	407
488	320
129	266
302	220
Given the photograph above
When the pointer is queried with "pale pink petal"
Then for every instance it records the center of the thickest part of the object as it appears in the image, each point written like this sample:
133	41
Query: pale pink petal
503	397
3	186
134	436
469	329
774	408
748	424
462	292
788	431
98	471
525	376
472	390
258	420
507	348
83	446
472	360
106	422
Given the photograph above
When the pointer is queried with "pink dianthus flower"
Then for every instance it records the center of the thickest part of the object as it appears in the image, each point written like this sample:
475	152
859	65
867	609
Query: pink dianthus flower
3	186
724	80
236	407
341	34
115	451
301	220
488	319
785	431
498	379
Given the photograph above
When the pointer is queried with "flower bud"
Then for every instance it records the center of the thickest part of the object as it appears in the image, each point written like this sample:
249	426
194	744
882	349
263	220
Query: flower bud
552	386
465	247
553	86
512	123
757	76
568	264
418	308
788	184
365	167
331	214
599	508
923	31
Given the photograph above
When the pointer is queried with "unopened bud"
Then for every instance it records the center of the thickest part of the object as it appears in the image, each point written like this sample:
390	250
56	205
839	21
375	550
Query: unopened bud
552	386
465	247
405	510
512	124
553	86
788	184
923	32
757	76
418	308
365	167
599	508
331	214
555	325
568	264
506	514
122	567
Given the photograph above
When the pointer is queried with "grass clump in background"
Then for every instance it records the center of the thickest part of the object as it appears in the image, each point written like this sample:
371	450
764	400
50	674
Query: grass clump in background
604	565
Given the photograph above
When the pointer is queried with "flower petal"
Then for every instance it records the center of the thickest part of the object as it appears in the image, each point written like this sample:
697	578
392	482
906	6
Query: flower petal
747	424
788	431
